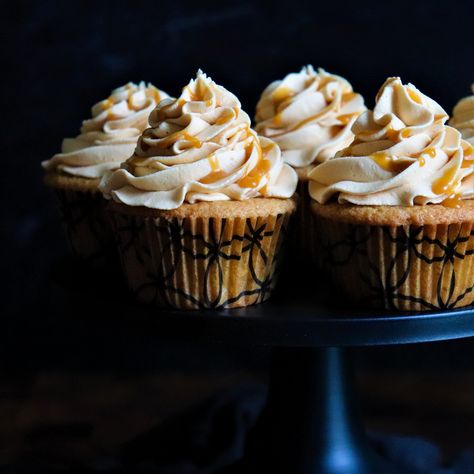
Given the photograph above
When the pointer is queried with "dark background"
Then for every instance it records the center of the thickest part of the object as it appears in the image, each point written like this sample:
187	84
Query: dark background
59	58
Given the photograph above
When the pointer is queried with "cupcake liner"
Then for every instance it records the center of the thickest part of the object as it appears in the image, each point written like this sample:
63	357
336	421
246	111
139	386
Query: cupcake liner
87	227
406	267
200	262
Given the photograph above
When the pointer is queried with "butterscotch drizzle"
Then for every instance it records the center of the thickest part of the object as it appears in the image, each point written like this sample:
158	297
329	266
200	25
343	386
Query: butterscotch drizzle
107	103
301	123
392	134
213	162
156	95
165	142
468	158
431	152
129	98
216	173
446	183
281	94
348	96
414	96
454	201
198	94
345	118
253	179
263	166
389	162
227	117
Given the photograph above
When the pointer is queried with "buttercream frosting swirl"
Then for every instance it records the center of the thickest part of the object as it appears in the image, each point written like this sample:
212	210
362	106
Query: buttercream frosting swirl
200	147
463	117
309	114
403	154
110	136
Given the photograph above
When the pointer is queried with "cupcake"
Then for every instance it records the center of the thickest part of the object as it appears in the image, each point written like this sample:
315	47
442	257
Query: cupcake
309	115
106	140
202	206
463	117
395	209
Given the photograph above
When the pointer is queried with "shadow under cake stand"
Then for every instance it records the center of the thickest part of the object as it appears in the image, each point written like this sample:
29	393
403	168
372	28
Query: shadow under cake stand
311	422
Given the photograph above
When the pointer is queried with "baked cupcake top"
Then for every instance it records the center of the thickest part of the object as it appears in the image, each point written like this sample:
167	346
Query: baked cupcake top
200	147
403	154
110	136
309	114
463	117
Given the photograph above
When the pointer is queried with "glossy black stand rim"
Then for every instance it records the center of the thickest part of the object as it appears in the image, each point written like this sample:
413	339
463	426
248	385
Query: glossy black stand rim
301	325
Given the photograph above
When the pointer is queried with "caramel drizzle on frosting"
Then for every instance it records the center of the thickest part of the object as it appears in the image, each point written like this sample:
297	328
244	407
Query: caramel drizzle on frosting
468	152
150	92
282	96
447	184
430	151
414	96
448	160
346	118
216	173
301	123
251	180
263	166
389	162
166	142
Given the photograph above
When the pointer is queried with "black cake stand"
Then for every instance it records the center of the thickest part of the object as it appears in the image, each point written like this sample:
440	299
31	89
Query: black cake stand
311	423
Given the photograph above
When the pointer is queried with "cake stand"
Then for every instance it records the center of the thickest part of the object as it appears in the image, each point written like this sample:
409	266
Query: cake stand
311	422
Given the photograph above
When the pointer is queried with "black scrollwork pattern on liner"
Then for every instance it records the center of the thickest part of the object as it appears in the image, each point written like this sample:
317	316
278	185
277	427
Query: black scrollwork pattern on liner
385	282
141	239
87	229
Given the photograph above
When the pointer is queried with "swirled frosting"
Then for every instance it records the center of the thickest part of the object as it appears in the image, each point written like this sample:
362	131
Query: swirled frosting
110	136
463	117
200	147
403	154
309	114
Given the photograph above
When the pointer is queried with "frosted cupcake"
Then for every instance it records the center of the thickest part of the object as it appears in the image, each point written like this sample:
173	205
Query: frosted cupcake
201	208
309	115
106	140
395	210
463	117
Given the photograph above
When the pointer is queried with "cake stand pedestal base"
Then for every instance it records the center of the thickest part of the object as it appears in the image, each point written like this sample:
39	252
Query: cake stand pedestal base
311	423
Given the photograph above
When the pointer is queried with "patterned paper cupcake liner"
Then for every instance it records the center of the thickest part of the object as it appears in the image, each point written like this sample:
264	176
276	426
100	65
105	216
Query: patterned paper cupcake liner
407	267
87	227
197	262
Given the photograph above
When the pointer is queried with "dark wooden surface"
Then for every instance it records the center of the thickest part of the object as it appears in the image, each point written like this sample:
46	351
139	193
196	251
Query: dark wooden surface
57	415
